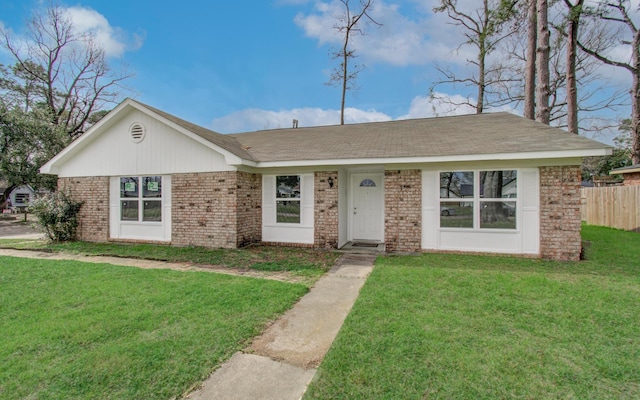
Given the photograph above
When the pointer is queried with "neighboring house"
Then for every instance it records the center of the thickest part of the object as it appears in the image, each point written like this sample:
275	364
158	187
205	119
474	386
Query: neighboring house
630	174
19	197
148	176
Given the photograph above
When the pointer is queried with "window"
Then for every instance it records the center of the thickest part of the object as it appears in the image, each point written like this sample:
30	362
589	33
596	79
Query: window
367	183
141	198
288	199
478	199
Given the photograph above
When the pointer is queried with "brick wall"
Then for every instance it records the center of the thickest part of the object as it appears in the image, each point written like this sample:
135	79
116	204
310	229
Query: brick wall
560	213
403	210
249	208
632	179
94	213
325	209
216	209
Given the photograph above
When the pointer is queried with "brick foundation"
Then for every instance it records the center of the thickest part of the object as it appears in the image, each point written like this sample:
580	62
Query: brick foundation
216	209
325	210
560	213
94	214
403	210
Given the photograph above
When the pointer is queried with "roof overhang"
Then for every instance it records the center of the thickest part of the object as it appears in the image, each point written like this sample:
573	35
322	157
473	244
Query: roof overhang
439	159
625	170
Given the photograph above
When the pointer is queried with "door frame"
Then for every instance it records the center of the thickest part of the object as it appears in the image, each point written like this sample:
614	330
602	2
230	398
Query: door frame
354	178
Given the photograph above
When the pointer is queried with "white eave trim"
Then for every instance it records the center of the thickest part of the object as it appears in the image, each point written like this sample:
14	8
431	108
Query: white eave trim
439	159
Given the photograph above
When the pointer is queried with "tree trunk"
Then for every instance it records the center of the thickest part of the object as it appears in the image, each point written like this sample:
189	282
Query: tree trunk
530	71
543	111
345	70
572	44
635	106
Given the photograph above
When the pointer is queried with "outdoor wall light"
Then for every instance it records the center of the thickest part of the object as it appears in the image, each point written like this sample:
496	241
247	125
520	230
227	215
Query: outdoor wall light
330	180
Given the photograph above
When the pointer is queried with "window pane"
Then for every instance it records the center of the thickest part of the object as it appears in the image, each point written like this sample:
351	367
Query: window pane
458	214
129	210
367	183
456	184
288	211
129	187
498	215
152	186
152	210
498	184
288	187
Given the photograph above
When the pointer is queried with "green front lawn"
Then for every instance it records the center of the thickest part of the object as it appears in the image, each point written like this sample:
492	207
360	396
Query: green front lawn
309	263
473	327
94	331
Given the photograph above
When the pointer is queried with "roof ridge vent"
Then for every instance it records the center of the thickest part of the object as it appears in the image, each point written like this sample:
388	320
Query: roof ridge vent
137	132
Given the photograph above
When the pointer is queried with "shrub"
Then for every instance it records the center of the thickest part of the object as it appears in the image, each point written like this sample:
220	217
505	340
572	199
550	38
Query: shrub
57	214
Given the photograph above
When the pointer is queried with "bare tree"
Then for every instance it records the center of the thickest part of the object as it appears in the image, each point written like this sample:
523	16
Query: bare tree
348	25
618	14
484	30
63	69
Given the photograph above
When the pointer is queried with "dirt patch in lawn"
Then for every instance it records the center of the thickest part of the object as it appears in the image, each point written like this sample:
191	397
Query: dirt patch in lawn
283	276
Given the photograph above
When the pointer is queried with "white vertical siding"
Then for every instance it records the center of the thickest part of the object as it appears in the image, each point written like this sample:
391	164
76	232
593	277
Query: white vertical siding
287	233
522	240
147	231
163	151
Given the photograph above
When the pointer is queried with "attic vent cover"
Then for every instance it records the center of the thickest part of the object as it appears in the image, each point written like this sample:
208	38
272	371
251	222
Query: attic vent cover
137	132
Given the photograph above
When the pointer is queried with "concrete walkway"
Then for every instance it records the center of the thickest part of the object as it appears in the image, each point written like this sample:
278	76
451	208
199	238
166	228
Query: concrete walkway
281	362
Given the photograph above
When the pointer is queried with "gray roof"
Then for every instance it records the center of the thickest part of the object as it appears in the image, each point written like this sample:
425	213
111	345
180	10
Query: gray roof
492	133
497	133
227	142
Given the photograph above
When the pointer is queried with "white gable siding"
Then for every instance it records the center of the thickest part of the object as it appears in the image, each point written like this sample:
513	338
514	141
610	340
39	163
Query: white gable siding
163	151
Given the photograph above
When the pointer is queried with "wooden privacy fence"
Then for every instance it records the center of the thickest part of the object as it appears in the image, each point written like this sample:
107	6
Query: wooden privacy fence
613	206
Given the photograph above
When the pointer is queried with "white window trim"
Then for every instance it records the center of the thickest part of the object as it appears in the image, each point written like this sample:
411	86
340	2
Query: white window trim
476	200
298	199
140	200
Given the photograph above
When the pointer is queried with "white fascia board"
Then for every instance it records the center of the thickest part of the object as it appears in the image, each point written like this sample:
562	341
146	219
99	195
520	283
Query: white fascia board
441	159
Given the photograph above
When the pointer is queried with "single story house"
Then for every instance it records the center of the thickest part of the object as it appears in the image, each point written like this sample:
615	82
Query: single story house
20	196
630	174
509	185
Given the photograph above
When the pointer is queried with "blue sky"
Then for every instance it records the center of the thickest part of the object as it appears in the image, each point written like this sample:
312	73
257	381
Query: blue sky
245	65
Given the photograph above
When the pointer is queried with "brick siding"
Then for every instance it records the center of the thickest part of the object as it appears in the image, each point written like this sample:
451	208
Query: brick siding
249	208
632	179
216	209
403	210
325	210
94	214
560	213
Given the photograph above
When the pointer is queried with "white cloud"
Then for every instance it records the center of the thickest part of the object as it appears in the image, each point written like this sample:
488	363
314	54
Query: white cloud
256	119
115	41
399	41
441	105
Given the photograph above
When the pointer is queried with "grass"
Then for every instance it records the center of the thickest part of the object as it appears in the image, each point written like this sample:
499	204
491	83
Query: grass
474	327
309	263
75	330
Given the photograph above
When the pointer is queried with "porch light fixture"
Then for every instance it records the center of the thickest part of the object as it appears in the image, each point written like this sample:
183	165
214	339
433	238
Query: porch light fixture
330	180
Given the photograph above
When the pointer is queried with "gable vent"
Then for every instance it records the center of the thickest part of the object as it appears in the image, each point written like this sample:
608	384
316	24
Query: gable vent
137	132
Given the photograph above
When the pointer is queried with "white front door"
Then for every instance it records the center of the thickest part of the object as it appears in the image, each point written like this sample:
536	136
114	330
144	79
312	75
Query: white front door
367	207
